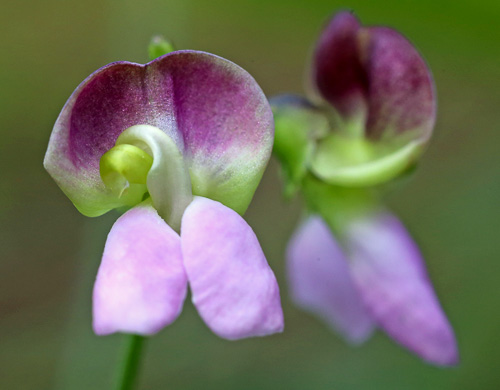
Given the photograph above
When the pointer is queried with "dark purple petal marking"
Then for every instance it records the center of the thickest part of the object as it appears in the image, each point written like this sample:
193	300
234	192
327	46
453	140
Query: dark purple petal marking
390	273
116	98
219	107
226	124
338	71
320	281
401	91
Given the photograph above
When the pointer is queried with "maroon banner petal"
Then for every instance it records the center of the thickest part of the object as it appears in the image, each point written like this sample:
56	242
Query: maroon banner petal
338	71
376	76
214	111
401	94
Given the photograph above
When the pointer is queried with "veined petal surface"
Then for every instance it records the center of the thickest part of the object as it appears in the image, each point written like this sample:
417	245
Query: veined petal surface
141	283
213	109
321	283
390	274
233	287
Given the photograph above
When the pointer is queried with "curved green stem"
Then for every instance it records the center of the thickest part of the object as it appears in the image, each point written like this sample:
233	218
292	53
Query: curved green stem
129	365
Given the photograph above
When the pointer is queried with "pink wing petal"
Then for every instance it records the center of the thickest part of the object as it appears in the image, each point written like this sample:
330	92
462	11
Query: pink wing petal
141	284
390	274
233	287
320	281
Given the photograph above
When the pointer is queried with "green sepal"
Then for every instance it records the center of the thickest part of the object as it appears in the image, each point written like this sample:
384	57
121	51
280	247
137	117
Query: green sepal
159	46
297	130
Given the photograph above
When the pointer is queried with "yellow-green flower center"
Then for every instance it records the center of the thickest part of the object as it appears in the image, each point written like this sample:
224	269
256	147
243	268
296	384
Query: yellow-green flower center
147	160
124	165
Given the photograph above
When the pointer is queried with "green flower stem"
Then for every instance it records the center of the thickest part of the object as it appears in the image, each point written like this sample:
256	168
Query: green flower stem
129	365
338	205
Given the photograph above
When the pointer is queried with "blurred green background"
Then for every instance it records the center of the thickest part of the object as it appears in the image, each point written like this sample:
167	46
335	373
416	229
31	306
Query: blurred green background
50	253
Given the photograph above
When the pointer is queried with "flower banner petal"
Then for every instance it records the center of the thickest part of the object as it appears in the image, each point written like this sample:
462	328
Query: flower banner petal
401	90
376	76
213	110
320	281
106	103
338	73
226	123
390	274
141	284
233	287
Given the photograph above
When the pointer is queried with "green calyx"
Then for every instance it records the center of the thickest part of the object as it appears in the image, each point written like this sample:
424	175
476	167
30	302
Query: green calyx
297	130
311	140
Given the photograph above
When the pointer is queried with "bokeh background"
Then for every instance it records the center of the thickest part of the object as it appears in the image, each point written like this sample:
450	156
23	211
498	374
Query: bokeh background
50	253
